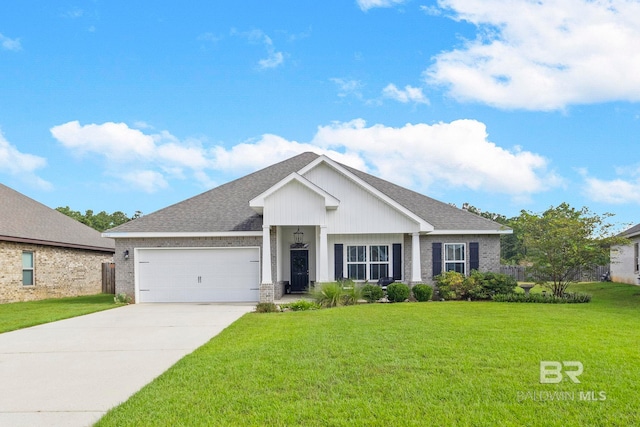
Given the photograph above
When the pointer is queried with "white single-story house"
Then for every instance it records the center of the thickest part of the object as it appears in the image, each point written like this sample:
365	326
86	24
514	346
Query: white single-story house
321	221
46	254
625	265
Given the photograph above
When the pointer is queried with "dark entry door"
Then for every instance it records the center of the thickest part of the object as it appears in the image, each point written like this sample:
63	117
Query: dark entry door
299	271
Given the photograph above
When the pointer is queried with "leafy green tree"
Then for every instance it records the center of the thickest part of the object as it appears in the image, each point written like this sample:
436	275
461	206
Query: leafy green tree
511	250
101	221
562	240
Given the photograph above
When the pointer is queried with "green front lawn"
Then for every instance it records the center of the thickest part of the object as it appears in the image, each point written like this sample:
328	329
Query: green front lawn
20	315
435	363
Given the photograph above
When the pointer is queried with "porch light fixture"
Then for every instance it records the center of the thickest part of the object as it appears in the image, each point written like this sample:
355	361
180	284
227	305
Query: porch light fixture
125	254
298	236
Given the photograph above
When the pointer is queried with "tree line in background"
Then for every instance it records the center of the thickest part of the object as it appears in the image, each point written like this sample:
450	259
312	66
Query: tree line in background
556	243
101	221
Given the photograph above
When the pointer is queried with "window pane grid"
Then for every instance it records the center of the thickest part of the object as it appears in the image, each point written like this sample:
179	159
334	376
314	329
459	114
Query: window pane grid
454	257
27	268
368	262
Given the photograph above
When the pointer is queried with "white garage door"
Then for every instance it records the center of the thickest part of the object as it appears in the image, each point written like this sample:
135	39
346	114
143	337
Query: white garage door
198	275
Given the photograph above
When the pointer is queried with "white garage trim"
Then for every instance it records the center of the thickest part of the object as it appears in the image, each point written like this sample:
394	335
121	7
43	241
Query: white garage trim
197	274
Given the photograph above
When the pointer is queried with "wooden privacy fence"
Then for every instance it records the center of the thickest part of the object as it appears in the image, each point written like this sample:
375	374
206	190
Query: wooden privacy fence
583	275
108	278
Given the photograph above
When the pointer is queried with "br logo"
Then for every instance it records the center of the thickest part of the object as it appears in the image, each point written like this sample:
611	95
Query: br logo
551	371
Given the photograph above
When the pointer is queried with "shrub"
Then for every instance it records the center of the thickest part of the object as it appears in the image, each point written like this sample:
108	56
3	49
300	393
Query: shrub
568	298
122	298
351	292
329	294
266	307
398	292
372	293
452	285
478	286
422	292
301	305
482	286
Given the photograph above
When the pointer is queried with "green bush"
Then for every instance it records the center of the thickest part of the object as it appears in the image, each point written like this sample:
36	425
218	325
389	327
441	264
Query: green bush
122	298
478	286
483	286
422	292
398	292
372	293
328	294
568	298
452	285
351	292
266	307
301	305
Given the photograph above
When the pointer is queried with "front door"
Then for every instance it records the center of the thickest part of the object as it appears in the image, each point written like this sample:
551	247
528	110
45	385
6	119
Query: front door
299	271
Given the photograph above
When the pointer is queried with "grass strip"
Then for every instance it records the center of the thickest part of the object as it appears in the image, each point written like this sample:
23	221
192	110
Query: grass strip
20	315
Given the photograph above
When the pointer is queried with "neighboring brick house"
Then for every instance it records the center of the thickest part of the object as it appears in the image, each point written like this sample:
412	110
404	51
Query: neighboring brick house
625	259
46	254
322	220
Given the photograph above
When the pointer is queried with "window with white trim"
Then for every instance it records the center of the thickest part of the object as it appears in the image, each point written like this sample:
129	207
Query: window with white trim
357	262
368	262
27	269
454	257
636	257
379	261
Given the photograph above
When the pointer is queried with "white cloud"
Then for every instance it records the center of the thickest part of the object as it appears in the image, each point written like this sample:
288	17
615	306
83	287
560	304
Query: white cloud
270	149
272	61
274	57
116	141
370	4
456	154
538	55
409	94
431	10
348	87
122	147
623	190
21	165
10	44
146	180
417	156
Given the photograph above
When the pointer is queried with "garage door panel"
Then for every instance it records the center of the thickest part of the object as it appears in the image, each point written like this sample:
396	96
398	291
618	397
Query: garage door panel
198	275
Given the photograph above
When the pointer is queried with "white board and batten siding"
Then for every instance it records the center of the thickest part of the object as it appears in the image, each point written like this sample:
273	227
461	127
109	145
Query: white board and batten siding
360	211
197	274
294	204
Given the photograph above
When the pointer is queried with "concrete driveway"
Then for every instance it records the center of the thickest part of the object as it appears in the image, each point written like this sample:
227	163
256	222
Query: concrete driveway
70	372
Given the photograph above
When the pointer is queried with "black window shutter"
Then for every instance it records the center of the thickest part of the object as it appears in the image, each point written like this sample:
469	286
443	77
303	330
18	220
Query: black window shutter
474	255
397	261
436	249
339	261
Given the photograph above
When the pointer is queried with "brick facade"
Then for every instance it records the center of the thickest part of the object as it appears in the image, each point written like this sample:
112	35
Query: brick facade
489	246
59	272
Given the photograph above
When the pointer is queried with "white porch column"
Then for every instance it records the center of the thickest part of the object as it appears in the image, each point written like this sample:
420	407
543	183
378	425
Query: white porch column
266	254
323	272
267	288
416	276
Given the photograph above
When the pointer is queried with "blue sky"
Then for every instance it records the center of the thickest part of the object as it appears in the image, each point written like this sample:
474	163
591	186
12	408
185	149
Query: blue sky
506	105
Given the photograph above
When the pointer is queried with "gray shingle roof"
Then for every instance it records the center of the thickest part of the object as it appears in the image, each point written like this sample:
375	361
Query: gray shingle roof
26	220
226	208
631	231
